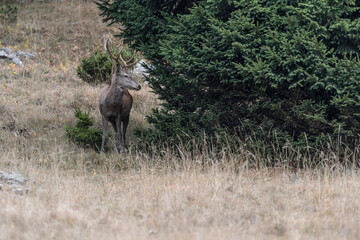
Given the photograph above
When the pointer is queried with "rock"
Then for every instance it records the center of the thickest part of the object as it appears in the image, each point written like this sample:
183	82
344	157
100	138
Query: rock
17	61
20	191
139	68
11	55
8	53
15	182
26	54
7	50
12	178
3	53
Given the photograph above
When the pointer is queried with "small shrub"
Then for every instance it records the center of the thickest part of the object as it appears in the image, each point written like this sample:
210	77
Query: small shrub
96	68
8	13
82	134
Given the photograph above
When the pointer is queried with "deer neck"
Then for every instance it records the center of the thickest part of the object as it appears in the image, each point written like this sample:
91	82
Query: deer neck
115	92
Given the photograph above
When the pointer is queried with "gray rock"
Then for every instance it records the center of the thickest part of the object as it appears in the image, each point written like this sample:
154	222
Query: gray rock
14	182
3	53
12	178
14	56
20	191
11	55
7	50
139	69
26	54
17	61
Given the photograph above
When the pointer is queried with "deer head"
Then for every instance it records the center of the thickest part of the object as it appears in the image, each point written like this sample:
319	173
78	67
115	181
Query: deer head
121	77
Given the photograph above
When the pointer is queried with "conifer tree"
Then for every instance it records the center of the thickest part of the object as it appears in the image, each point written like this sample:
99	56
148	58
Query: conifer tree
289	66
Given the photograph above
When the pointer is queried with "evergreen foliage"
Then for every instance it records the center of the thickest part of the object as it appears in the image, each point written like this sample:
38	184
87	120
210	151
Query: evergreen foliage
96	68
8	13
82	134
287	66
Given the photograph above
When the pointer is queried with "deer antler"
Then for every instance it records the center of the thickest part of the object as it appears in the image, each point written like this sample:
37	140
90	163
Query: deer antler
120	59
108	49
126	63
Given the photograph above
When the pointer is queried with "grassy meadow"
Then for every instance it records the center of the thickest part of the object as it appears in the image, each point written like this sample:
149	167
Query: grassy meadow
75	193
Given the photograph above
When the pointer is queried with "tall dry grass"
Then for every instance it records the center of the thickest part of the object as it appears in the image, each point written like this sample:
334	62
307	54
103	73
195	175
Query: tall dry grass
75	193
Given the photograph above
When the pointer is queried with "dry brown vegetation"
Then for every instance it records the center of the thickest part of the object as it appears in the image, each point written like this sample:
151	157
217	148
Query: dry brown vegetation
77	194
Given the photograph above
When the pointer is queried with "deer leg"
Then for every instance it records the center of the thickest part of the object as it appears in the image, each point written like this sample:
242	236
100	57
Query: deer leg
105	126
117	137
125	124
113	123
118	132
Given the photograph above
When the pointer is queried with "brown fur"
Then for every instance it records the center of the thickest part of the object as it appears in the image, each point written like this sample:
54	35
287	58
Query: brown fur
115	105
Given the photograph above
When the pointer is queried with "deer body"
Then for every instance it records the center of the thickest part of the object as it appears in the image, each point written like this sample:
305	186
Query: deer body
115	103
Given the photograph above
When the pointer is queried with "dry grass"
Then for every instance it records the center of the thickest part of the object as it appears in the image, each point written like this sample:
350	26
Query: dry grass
77	194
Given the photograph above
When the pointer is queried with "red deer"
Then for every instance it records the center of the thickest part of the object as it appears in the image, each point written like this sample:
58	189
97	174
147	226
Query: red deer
115	100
